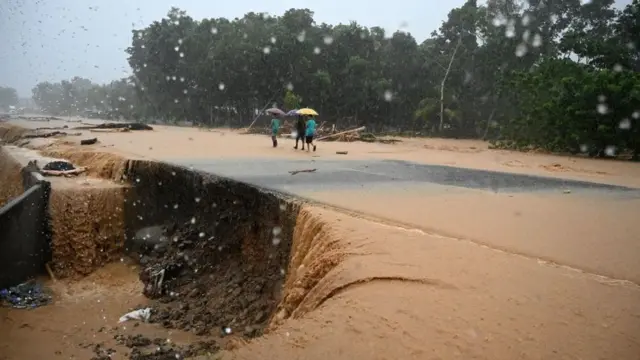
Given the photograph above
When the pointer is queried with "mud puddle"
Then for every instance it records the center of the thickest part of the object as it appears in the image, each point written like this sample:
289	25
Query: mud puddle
82	323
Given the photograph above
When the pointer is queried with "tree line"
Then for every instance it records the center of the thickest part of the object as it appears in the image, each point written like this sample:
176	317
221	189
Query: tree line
8	97
556	75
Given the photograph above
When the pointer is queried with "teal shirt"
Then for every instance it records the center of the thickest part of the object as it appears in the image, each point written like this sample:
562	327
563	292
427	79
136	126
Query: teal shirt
275	125
311	127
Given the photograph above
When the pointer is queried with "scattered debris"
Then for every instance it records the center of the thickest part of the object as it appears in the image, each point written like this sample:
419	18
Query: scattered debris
88	141
342	133
120	130
302	171
56	168
53	128
67	173
144	348
202	282
28	295
342	152
140	314
45	135
59	166
109	126
38	118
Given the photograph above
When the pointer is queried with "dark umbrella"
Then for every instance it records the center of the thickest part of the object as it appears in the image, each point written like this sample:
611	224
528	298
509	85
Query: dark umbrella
275	111
292	113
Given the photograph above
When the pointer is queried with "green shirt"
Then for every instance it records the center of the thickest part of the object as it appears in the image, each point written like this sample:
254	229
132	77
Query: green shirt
275	124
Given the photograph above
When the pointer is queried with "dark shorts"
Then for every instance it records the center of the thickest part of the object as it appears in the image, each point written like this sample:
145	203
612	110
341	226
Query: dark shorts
309	139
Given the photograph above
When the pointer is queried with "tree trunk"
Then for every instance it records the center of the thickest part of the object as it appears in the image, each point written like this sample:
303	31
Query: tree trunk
489	120
444	80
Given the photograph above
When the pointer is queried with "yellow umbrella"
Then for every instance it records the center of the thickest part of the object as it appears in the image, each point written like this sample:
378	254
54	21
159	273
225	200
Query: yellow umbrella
307	111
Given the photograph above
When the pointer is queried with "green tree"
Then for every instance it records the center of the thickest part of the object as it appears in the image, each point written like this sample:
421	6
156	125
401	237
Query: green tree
8	97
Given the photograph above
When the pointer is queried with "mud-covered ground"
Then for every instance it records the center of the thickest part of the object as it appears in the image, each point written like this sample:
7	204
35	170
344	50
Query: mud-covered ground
212	284
144	348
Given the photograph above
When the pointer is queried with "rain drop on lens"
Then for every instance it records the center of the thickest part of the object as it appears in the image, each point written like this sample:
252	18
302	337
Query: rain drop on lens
610	150
302	36
602	109
625	124
537	40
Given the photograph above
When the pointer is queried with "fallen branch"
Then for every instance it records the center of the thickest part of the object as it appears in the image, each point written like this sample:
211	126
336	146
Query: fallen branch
45	135
48	268
341	133
342	152
302	171
110	130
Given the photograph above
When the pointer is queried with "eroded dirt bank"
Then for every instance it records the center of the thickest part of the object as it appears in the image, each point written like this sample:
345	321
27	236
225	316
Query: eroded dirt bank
10	178
225	252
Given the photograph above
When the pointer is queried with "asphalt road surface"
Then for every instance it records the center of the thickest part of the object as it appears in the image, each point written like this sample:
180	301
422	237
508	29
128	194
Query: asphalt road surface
363	174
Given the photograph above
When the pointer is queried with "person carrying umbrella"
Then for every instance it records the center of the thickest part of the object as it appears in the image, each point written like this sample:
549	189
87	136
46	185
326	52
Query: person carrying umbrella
275	124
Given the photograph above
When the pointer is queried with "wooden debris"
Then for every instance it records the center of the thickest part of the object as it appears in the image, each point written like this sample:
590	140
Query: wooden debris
302	171
341	133
50	272
88	141
342	152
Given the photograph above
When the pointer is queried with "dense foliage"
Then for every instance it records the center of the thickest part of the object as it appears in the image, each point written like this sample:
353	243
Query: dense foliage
8	97
557	75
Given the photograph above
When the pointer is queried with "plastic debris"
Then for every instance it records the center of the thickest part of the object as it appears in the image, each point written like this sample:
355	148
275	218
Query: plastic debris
140	314
28	295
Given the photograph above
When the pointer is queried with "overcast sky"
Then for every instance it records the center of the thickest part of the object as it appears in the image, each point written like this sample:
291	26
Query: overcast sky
51	40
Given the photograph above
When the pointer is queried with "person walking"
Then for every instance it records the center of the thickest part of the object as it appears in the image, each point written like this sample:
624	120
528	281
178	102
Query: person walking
300	131
310	131
275	126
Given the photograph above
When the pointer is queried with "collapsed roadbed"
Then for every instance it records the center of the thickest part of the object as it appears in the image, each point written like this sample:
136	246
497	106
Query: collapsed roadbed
214	253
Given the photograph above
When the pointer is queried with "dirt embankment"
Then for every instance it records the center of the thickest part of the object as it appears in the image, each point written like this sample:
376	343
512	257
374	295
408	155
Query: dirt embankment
10	178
